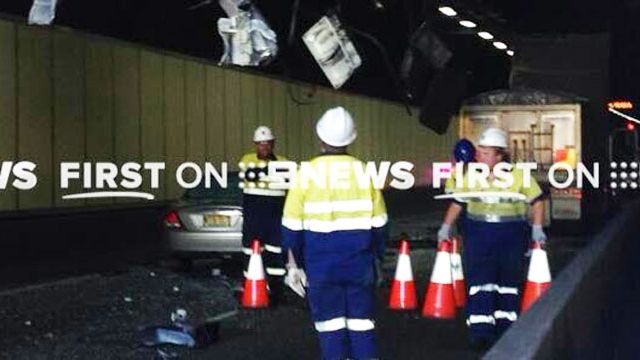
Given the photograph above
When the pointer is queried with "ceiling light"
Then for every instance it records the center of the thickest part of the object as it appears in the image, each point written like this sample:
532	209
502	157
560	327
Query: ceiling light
468	24
500	45
485	35
447	11
510	52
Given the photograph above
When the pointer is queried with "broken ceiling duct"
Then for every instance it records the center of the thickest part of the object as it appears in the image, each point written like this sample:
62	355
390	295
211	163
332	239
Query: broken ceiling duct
425	55
443	98
248	39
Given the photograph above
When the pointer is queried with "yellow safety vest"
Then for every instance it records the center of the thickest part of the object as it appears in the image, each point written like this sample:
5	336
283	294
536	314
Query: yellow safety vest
499	210
324	209
253	172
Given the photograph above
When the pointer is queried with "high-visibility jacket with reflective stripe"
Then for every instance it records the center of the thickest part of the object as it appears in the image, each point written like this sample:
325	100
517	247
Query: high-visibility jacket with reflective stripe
254	172
500	209
336	231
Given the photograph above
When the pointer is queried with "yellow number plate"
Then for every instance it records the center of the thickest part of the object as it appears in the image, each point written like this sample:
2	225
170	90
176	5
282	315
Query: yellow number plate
216	220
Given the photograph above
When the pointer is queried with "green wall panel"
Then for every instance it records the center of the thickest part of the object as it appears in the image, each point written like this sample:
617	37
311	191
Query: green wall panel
35	123
152	115
126	75
195	114
278	98
8	108
249	107
215	116
263	103
99	98
99	85
293	130
305	114
236	144
69	118
174	122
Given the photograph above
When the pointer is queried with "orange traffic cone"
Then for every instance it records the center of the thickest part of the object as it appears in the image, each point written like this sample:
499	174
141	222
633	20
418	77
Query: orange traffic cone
459	290
439	301
403	290
255	283
538	279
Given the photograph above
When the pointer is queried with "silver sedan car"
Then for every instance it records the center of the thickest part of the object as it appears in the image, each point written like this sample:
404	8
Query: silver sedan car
206	222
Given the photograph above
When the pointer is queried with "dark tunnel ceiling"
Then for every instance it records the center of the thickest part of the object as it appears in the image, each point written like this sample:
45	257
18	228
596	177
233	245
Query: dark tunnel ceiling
170	24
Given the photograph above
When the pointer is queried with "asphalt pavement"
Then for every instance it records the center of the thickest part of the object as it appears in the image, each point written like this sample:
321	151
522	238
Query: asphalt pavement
99	316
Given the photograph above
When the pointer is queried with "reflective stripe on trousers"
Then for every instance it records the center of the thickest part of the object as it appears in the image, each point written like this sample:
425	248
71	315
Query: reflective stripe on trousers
343	317
344	323
494	263
510	316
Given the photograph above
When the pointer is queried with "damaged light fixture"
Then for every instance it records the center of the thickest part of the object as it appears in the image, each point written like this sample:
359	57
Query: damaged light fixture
248	39
42	12
332	49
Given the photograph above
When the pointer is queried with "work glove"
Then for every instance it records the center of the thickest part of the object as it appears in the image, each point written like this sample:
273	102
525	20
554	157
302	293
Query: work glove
444	233
296	279
538	235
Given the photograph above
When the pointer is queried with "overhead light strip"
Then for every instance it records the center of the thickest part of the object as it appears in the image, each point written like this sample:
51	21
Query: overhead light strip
485	35
447	10
468	24
500	45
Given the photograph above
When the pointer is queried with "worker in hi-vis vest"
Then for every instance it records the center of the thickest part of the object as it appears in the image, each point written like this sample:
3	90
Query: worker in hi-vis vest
262	208
334	232
496	238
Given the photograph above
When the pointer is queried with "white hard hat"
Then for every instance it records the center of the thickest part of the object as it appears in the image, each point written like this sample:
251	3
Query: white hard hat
263	133
493	137
336	127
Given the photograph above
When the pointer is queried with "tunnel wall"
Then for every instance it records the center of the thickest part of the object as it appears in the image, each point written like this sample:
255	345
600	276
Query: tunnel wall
71	96
584	312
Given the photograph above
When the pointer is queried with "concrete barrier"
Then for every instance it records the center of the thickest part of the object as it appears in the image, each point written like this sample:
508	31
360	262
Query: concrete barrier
581	315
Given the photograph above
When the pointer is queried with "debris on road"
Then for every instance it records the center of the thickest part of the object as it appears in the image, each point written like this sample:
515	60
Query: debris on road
94	322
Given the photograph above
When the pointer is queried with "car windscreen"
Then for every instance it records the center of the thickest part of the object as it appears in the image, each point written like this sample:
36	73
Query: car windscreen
231	194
